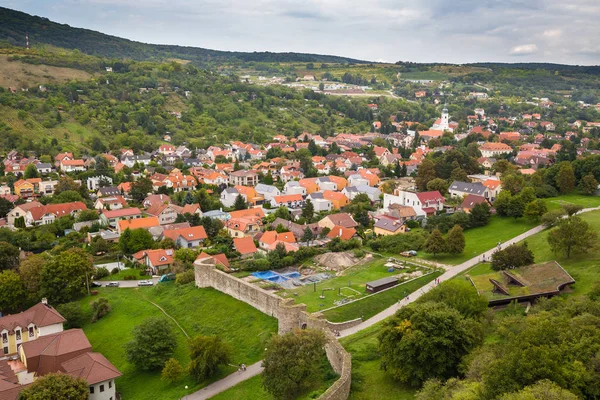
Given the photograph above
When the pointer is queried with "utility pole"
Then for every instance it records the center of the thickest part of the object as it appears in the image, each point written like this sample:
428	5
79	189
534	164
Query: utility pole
27	39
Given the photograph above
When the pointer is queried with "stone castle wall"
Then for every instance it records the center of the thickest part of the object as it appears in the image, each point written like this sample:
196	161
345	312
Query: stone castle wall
289	316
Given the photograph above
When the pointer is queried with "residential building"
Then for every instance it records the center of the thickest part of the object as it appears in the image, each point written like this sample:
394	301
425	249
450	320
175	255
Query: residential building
37	321
158	261
320	203
96	182
245	246
138	223
113	216
288	200
267	191
243	178
166	213
108	191
35	213
44	168
337	199
270	239
490	149
424	203
387	225
342	232
471	201
293	187
187	237
461	189
244	226
340	219
371	192
72	165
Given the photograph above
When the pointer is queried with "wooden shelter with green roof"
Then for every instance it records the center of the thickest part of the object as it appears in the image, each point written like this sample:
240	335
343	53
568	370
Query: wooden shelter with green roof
522	284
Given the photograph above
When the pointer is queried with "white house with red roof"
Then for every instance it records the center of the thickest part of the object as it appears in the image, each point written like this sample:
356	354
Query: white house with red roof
424	203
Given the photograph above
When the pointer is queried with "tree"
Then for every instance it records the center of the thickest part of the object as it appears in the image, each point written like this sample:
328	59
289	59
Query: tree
207	353
5	207
438	184
152	345
480	215
589	184
551	218
9	256
12	291
516	207
307	235
268	179
140	189
240	203
565	179
513	183
73	313
426	341
56	387
308	211
535	210
30	271
502	203
65	277
572	234
543	390
571	209
425	173
290	363
453	388
172	371
460	295
455	240
435	243
132	241
31	172
514	256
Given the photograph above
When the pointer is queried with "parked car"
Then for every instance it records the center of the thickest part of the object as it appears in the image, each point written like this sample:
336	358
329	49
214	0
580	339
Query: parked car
145	283
112	284
95	284
410	253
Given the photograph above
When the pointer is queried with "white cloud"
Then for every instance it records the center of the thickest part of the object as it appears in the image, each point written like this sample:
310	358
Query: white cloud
552	33
524	49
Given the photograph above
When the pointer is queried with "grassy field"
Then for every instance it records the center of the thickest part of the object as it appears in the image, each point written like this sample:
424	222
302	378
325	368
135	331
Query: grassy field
484	238
18	74
252	388
351	285
369	382
554	203
198	311
582	267
372	305
424	75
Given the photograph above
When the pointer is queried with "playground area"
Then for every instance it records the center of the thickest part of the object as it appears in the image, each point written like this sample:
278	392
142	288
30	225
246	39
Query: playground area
349	284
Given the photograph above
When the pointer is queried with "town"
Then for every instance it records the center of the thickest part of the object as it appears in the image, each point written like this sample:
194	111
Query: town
167	231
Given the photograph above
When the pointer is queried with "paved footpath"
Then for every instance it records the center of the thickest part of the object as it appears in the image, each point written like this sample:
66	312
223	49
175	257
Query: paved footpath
229	381
255	369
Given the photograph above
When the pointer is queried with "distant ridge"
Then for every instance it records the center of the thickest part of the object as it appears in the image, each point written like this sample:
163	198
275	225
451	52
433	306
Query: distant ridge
14	24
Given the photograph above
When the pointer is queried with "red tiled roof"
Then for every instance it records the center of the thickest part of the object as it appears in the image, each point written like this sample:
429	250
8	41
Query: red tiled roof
245	245
189	234
123	212
93	367
342	232
40	314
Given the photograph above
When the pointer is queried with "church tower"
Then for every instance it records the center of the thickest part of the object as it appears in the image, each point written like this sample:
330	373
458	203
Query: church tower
444	121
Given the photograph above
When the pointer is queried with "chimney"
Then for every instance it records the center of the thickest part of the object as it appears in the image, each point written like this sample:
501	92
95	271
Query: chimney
340	232
44	301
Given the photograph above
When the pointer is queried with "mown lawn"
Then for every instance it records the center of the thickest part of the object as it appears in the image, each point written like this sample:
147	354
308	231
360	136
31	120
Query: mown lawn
252	389
369	382
351	285
372	305
198	311
554	203
479	240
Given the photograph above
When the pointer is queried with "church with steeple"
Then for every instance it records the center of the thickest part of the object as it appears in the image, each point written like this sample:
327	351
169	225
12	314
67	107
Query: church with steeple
443	123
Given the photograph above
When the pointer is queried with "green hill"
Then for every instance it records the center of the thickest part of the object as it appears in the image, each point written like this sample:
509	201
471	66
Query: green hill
14	25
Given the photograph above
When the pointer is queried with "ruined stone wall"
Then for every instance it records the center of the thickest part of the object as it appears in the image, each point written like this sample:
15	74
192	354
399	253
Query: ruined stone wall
289	317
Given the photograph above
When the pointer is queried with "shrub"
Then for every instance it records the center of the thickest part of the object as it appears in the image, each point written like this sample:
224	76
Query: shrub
101	308
73	313
358	253
412	224
513	256
130	277
142	273
101	272
152	345
115	271
185	277
207	353
172	372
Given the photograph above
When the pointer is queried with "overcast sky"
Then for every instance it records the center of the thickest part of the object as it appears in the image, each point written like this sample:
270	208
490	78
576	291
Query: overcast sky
454	31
